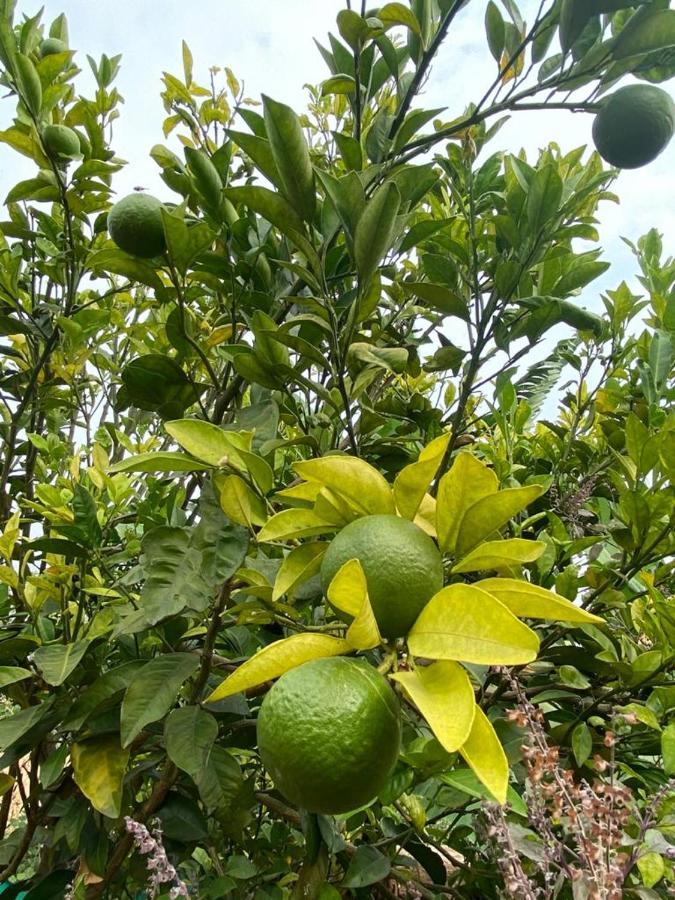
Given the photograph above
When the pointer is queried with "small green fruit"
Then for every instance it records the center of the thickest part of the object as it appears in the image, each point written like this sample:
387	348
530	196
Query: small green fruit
61	143
51	46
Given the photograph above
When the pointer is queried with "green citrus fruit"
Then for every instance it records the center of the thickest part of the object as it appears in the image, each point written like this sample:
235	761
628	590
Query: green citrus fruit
634	125
401	563
135	224
329	733
60	142
50	46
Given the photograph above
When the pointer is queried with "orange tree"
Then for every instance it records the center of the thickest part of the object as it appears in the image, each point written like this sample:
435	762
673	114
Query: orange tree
335	327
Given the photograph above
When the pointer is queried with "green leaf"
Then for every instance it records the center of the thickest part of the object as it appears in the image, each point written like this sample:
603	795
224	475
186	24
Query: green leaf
412	482
99	766
184	242
392	14
338	84
464	623
438	297
352	478
582	743
6	782
534	602
490	513
277	658
117	262
57	661
291	155
644	714
153	692
260	151
270	205
495	30
485	754
668	749
293	524
443	694
13	727
239	502
375	231
220	781
157	383
206	176
543	197
652	868
367	866
189	735
12	674
348	592
654	30
500	555
97	694
297	567
159	461
468	481
29	83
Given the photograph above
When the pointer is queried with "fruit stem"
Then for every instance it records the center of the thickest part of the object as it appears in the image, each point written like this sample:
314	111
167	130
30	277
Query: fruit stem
387	663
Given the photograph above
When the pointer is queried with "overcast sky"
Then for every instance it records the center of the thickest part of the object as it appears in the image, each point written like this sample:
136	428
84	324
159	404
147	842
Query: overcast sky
268	44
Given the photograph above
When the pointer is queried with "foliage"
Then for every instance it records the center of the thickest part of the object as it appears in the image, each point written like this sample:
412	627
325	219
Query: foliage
353	316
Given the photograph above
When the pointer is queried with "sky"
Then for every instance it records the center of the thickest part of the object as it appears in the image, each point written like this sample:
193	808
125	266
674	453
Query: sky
268	44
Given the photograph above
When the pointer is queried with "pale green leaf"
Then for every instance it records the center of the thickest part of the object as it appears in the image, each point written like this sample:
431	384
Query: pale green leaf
412	482
668	749
534	602
277	658
653	31
468	481
500	555
353	478
99	766
239	502
12	674
292	524
399	14
464	623
160	461
490	513
209	443
57	661
291	156
6	782
348	592
375	231
485	754
297	567
443	694
10	535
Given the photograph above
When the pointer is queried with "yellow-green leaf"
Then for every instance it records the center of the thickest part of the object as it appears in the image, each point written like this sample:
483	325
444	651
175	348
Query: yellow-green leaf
465	623
303	492
534	602
6	782
277	658
98	769
412	482
291	524
301	564
488	514
259	470
426	515
468	481
443	694
500	555
353	478
485	754
348	591
208	442
331	507
10	535
239	502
